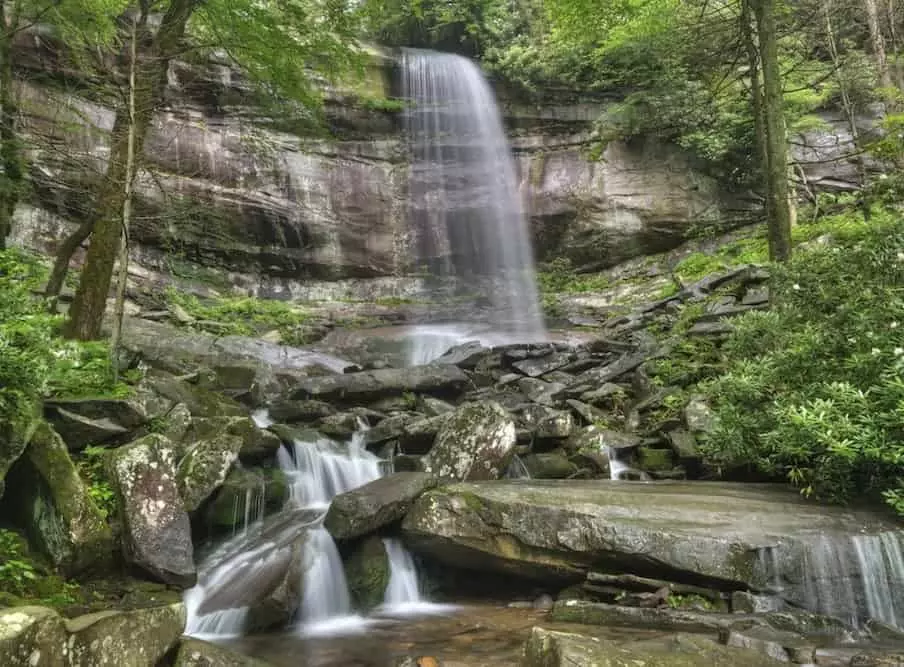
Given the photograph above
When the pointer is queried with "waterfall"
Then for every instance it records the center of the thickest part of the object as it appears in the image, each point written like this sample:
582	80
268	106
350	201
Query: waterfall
851	577
466	216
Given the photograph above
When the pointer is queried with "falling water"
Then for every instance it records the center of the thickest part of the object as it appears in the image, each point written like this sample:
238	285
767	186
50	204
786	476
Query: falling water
517	469
851	577
465	210
318	469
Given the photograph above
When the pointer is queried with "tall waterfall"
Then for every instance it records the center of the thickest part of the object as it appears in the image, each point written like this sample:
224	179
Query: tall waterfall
466	215
232	576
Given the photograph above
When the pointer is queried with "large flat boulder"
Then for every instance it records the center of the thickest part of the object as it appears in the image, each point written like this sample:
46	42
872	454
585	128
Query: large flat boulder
199	653
437	379
156	528
732	536
549	648
119	639
372	506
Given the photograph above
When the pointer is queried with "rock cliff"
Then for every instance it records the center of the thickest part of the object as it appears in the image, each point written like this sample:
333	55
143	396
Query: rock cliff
278	209
281	209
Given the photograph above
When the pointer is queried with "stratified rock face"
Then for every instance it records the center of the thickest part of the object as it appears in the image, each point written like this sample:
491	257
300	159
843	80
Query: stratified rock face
53	504
699	530
283	212
372	506
156	529
125	639
475	442
548	648
32	636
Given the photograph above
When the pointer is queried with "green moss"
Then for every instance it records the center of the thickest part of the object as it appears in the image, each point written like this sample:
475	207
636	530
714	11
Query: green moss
367	573
239	316
652	459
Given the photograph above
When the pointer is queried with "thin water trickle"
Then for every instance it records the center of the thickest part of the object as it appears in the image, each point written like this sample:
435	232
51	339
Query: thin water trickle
466	214
517	469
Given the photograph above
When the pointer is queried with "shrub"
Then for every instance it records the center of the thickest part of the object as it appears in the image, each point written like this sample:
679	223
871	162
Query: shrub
814	388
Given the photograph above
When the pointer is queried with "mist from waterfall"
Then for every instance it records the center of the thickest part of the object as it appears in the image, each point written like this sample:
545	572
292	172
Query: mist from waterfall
466	216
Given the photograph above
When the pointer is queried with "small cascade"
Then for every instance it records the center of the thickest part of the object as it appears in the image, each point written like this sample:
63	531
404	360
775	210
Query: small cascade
517	469
320	469
262	418
231	576
851	577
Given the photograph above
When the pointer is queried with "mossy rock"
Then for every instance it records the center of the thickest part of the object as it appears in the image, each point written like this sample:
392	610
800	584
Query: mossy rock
198	653
204	468
125	639
32	636
49	499
367	573
654	459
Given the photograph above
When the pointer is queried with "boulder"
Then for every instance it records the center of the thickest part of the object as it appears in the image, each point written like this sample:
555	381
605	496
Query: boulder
418	437
370	507
434	379
198	653
548	648
91	421
391	428
156	529
367	573
53	504
32	637
205	466
277	603
539	391
79	431
292	412
13	440
713	533
477	441
257	444
125	639
546	423
549	465
200	401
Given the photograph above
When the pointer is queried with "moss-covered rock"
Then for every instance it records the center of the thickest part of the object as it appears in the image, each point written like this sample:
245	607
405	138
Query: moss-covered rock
549	465
367	573
205	466
52	503
156	529
201	402
198	653
475	442
32	637
13	439
247	492
137	638
654	459
257	444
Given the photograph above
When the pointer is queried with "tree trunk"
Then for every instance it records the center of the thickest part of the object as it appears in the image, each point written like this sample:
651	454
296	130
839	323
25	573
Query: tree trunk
87	311
778	214
12	176
877	41
891	19
126	211
847	104
748	34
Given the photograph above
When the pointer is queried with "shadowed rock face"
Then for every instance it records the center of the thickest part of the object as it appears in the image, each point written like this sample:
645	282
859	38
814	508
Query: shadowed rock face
700	531
281	208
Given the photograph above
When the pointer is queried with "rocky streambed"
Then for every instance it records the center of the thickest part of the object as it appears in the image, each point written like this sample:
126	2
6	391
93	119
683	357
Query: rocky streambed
615	528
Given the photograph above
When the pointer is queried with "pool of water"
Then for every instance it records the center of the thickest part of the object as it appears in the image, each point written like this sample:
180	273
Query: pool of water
473	635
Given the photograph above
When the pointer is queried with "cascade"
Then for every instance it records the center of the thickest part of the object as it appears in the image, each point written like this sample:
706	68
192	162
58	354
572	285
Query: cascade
826	583
466	216
317	469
